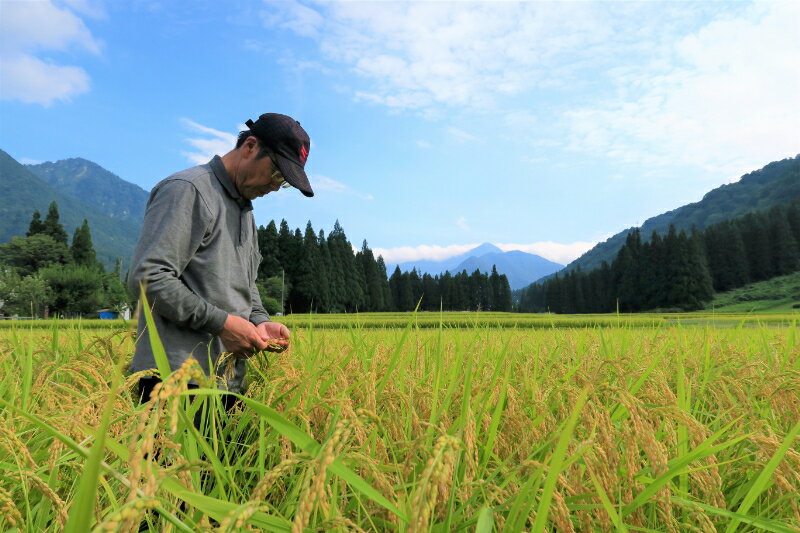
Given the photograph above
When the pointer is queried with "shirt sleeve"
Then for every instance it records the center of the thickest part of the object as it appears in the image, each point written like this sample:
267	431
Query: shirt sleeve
258	314
175	222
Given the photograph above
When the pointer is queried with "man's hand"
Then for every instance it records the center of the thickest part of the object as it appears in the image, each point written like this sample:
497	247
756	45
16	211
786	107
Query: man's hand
241	337
275	334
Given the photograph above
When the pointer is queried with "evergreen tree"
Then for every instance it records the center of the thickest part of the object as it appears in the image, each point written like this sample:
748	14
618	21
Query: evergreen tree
785	253
36	225
374	291
268	248
503	300
388	304
755	235
336	275
52	226
310	291
82	250
394	287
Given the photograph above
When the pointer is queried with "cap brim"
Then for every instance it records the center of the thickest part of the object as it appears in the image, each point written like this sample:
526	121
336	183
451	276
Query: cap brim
295	175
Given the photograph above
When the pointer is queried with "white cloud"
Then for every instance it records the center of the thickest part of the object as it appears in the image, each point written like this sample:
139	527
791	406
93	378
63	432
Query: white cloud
424	144
292	15
215	142
26	30
724	99
461	222
29	161
461	135
324	183
708	85
553	251
415	253
414	55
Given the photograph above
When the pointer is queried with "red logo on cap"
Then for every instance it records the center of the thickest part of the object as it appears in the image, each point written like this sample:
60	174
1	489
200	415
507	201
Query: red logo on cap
303	154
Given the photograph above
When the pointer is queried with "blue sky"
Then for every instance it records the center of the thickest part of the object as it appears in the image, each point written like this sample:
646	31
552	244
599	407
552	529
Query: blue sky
435	126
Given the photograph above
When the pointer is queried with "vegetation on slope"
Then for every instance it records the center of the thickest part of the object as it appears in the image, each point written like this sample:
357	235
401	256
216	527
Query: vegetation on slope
777	183
778	294
21	192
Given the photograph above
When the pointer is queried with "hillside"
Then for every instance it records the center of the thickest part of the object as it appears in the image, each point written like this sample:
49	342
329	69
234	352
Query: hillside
779	294
775	184
21	192
94	186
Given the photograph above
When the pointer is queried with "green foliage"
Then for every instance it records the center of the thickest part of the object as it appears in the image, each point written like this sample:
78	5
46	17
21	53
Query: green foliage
778	183
94	186
22	192
36	226
82	250
678	272
30	254
77	289
23	296
271	291
52	226
781	292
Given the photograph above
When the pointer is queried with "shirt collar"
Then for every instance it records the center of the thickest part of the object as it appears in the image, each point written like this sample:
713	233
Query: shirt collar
218	168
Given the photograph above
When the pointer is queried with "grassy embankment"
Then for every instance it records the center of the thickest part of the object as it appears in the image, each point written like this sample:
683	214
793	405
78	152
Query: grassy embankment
618	428
776	295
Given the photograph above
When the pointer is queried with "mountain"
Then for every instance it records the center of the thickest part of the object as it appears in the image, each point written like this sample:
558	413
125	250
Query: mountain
95	186
775	184
22	192
521	268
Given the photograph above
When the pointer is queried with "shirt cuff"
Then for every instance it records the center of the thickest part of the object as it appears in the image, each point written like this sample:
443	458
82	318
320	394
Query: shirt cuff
216	321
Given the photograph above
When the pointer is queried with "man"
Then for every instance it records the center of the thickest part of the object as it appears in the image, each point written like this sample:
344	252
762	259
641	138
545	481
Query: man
197	255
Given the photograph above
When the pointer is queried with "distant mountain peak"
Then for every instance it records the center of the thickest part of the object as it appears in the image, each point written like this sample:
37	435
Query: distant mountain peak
483	249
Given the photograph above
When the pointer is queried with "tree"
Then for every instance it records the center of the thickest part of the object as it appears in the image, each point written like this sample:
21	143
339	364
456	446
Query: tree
52	226
785	253
372	281
268	248
29	254
36	226
76	289
23	296
82	250
388	305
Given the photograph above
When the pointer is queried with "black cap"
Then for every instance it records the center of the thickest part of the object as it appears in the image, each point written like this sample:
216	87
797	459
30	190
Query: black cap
290	144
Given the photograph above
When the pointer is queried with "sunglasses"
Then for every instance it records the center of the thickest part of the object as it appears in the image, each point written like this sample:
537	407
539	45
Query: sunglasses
276	174
278	177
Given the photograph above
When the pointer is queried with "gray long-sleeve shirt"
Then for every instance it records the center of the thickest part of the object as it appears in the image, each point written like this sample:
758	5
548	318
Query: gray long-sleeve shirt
197	257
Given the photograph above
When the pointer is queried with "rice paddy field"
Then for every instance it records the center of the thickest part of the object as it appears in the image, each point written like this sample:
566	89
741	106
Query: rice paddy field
426	422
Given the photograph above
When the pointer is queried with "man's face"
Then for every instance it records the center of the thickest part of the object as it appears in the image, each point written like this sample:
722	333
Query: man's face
256	176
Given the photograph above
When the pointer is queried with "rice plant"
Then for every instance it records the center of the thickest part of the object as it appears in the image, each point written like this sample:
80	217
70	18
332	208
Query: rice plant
471	426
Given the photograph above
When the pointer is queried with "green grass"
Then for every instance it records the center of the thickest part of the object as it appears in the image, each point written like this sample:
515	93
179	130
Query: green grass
776	295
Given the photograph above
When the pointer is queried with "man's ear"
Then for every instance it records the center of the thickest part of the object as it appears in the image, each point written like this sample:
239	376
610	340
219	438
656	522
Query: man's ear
250	147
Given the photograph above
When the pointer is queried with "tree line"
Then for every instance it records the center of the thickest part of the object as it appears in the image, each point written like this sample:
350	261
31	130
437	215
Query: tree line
43	273
678	270
304	271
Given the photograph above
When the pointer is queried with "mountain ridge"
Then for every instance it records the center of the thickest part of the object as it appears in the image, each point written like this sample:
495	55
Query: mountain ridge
776	183
520	267
93	185
22	192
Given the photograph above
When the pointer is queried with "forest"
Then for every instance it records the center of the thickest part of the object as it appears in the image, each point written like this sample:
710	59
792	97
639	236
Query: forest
678	271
